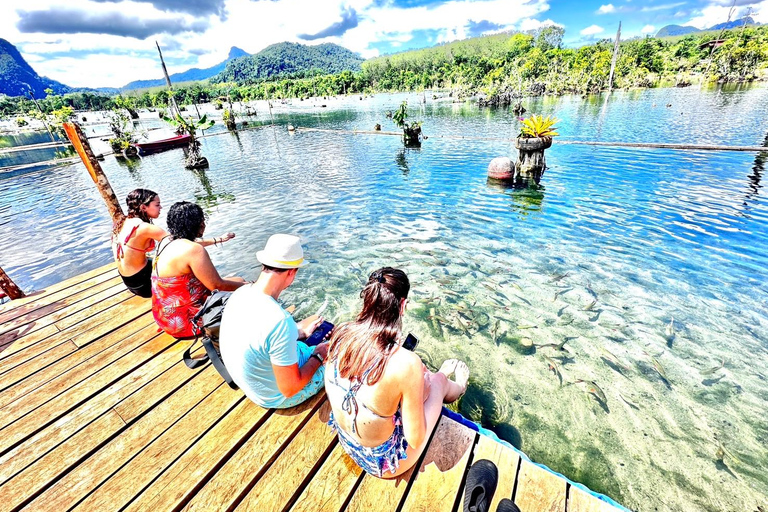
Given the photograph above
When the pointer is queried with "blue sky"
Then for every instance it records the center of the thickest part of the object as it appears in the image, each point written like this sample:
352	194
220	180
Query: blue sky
111	42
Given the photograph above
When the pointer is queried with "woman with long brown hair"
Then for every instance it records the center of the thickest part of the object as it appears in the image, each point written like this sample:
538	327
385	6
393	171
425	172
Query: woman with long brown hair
135	235
385	402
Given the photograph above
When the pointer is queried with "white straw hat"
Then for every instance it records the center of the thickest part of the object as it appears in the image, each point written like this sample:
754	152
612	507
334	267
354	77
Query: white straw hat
282	251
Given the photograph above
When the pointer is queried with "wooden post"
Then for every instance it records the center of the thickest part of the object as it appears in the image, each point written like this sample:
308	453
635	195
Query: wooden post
83	148
32	95
167	79
9	287
613	60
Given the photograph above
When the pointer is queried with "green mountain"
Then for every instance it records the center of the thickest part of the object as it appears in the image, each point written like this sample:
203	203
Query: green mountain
681	30
290	60
17	77
190	75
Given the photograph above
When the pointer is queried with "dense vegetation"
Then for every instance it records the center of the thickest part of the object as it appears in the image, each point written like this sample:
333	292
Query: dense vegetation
17	77
518	64
290	60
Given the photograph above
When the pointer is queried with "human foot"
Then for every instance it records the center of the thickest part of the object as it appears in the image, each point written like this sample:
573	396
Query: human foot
461	375
458	386
448	367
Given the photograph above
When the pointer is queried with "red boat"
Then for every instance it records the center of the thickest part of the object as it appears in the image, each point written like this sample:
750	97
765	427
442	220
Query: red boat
155	146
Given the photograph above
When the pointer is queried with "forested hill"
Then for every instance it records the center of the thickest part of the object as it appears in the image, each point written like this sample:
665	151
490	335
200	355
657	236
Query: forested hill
17	77
678	30
290	60
190	75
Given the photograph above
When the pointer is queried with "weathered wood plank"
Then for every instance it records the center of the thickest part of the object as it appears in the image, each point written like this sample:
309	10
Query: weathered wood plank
44	360
55	407
374	492
331	485
232	481
87	476
506	461
83	314
439	479
172	373
277	489
44	297
180	482
56	378
580	501
123	486
36	477
106	319
41	317
538	490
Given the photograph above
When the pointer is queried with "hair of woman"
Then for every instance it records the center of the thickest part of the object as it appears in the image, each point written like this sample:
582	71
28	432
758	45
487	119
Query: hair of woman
185	220
135	200
368	342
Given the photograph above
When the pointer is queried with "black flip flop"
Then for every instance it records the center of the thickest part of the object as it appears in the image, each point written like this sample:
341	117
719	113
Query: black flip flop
507	505
481	485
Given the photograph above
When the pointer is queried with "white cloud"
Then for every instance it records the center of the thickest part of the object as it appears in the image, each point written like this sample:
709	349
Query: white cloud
714	14
533	24
592	30
606	9
662	7
648	29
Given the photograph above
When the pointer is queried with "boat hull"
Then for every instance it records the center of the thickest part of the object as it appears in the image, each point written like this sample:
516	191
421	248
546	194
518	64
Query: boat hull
155	146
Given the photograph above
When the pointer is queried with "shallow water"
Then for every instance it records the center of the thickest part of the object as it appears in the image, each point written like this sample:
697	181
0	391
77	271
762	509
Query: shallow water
616	245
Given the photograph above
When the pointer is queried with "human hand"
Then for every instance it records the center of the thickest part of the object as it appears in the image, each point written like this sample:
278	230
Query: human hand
227	237
321	349
308	326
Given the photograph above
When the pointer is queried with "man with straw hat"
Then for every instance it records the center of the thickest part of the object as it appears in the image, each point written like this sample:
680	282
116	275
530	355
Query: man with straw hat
259	340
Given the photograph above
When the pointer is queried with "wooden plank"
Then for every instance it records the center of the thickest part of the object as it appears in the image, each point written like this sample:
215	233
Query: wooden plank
538	490
31	327
373	492
36	477
506	460
175	487
45	359
43	296
56	378
580	501
143	381
278	488
53	408
132	478
83	314
331	486
231	482
102	322
87	476
438	482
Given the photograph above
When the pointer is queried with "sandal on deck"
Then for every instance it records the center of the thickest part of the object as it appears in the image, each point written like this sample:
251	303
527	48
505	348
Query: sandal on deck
507	505
481	485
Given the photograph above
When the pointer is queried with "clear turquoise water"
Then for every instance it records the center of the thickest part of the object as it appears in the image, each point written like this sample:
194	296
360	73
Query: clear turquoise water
653	236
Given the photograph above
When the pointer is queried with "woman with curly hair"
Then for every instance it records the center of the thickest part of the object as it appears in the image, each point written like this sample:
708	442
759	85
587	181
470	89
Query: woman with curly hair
135	235
385	402
183	275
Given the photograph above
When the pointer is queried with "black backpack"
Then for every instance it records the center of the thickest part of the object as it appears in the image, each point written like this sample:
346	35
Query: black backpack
206	324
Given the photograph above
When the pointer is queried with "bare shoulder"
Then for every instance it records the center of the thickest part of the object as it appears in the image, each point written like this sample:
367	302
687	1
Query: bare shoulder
404	364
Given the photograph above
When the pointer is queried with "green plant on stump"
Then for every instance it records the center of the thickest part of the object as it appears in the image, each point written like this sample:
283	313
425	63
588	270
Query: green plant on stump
538	126
120	124
229	119
412	130
195	160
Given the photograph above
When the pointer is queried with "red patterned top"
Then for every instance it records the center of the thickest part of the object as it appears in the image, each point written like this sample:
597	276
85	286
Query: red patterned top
175	301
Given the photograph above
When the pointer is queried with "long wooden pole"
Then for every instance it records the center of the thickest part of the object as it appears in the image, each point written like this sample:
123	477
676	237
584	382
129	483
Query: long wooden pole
9	287
613	60
83	148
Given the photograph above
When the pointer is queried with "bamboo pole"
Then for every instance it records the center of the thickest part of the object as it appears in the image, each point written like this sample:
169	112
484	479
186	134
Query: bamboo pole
83	148
613	59
9	287
32	95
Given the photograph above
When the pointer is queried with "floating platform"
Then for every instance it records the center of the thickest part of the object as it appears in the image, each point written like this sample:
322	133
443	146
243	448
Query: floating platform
98	412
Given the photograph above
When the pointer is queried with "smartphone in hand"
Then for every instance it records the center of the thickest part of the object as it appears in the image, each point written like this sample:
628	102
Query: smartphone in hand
319	334
410	342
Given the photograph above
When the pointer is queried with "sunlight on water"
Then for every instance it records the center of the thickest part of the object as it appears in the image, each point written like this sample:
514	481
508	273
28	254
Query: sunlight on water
649	264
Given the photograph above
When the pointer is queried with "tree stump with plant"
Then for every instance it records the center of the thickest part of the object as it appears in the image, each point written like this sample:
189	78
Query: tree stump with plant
411	131
194	160
535	137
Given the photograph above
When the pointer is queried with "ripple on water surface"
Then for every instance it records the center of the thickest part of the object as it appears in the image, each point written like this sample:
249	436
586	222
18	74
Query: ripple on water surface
649	264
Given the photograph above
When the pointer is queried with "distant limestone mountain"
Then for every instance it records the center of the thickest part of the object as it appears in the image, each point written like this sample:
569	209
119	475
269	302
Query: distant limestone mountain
290	60
681	30
189	75
17	77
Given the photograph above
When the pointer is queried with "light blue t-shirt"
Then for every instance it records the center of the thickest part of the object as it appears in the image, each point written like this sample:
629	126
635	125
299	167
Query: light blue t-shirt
256	332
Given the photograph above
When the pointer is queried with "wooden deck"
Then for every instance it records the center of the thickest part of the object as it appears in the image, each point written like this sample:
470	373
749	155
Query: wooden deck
98	412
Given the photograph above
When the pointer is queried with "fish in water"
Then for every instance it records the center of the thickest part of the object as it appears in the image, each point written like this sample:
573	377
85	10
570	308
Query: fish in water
559	278
722	452
595	390
712	371
560	292
660	369
611	358
555	368
590	306
628	402
526	326
495	331
524	299
322	307
669	332
591	291
557	346
561	311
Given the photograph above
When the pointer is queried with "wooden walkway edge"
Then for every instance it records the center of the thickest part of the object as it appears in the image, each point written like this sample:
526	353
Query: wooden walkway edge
98	412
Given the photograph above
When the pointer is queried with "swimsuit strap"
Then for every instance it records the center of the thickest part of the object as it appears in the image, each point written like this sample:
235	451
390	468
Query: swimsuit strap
159	251
349	402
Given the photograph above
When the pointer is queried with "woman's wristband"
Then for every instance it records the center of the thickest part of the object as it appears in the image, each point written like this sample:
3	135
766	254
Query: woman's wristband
317	356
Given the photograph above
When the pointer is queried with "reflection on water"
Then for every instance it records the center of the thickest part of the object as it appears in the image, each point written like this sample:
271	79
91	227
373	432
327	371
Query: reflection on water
649	264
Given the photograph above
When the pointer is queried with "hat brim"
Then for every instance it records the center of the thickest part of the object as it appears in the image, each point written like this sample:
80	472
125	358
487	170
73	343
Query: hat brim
264	259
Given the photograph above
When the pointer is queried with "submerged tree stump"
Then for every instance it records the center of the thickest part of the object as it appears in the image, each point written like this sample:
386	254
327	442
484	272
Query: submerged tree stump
531	162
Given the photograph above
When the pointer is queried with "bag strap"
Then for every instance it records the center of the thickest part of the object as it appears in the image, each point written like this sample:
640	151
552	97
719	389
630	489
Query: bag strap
194	362
217	362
